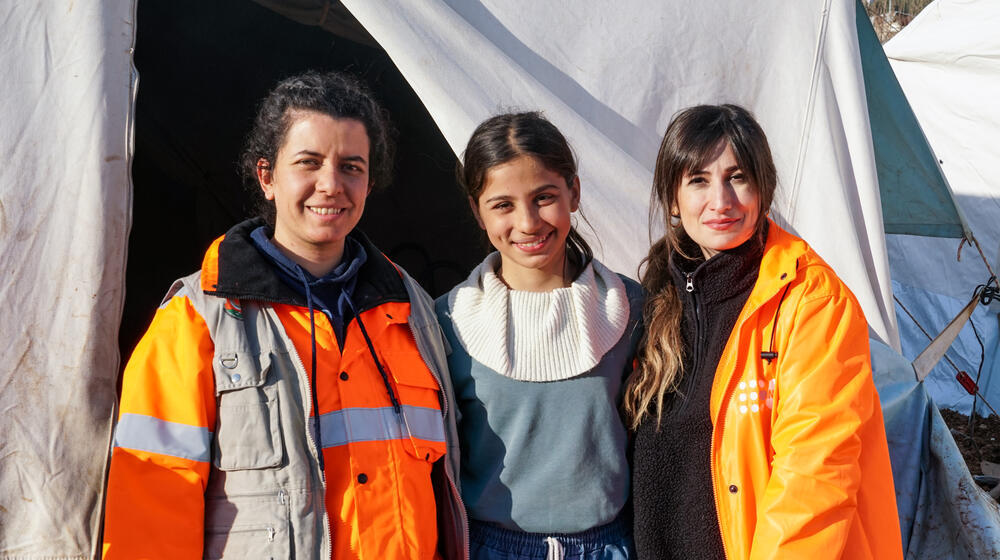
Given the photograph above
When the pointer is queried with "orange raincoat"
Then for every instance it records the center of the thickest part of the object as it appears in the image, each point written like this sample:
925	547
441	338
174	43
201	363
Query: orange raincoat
800	464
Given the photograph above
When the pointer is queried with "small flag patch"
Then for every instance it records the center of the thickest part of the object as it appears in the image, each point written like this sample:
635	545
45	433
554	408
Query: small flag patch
233	308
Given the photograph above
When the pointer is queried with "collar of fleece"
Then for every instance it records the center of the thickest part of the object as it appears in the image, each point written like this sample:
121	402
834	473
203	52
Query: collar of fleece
238	270
539	336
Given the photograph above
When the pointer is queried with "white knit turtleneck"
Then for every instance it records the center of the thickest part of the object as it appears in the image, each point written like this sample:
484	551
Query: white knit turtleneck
539	336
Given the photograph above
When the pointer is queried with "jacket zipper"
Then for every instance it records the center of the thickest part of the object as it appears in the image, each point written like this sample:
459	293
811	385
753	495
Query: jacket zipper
723	409
697	323
724	405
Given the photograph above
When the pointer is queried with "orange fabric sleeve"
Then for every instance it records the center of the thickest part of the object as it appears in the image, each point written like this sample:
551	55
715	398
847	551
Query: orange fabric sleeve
159	465
826	394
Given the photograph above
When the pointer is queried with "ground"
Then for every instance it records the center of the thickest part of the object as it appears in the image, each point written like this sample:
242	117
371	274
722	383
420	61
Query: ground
984	443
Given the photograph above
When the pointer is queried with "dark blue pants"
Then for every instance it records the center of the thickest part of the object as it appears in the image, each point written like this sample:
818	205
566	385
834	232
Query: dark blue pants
608	542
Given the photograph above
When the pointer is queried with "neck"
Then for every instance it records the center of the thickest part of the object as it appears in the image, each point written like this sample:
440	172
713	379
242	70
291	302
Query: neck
318	261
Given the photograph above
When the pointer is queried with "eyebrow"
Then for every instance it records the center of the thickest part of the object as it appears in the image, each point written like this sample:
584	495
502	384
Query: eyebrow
705	171
507	197
317	154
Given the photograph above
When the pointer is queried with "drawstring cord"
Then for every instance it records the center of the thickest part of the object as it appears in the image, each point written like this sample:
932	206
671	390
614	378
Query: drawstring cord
555	551
771	354
315	397
315	392
378	364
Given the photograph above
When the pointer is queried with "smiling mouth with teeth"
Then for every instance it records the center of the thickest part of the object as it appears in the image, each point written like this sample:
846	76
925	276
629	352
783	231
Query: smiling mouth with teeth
325	211
534	244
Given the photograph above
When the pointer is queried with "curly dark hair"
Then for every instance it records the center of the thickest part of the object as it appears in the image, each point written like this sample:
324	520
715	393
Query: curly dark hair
340	96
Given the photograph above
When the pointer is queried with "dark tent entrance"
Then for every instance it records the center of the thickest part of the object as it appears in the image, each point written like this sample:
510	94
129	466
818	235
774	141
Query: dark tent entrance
203	67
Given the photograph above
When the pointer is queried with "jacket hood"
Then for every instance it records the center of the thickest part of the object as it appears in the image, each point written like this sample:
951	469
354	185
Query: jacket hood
234	268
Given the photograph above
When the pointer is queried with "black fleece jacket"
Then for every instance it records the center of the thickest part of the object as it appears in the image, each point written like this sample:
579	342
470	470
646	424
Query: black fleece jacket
675	515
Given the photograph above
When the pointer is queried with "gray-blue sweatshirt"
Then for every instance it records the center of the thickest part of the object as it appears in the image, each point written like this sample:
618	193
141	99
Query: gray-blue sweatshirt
545	457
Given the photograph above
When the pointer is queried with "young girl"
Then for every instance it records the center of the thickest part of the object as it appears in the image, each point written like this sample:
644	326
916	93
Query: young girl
542	337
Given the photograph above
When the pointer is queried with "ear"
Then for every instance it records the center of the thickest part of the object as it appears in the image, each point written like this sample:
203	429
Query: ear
266	178
475	212
574	194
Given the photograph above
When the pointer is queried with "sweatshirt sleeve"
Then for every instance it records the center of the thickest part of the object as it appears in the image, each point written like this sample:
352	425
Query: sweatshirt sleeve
825	394
161	453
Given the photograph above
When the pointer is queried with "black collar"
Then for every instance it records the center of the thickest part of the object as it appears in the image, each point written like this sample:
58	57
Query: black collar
244	273
727	274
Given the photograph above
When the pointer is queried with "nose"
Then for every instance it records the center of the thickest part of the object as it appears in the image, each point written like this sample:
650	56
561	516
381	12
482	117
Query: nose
329	181
721	196
528	219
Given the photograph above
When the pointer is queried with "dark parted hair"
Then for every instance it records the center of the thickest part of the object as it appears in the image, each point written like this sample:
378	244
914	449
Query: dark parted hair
505	137
691	142
337	95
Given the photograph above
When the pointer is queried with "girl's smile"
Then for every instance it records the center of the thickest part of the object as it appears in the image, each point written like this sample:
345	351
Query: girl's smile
525	209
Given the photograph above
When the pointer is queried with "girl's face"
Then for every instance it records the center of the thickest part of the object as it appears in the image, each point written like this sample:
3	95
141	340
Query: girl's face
717	205
525	210
319	183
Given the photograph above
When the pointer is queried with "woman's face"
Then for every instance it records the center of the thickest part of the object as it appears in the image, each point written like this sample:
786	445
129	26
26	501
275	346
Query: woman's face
319	183
525	209
717	205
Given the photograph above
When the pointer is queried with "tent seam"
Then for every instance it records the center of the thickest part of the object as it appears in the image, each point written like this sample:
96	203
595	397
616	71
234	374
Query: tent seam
810	107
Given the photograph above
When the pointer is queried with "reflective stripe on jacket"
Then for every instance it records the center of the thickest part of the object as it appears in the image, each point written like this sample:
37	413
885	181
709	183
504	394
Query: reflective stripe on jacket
800	464
215	455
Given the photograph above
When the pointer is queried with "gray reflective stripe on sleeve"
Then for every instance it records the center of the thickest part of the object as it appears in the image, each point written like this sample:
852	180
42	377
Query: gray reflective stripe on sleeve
380	424
146	433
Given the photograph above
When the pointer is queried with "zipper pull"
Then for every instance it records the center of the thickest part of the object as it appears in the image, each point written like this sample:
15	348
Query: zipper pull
690	283
270	534
281	496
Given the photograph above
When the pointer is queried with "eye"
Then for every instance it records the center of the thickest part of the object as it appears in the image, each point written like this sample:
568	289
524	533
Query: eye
308	162
738	177
502	205
545	198
696	180
352	168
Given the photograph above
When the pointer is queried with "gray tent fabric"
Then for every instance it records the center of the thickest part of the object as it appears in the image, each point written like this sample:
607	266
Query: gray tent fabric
916	199
331	16
942	513
947	61
64	219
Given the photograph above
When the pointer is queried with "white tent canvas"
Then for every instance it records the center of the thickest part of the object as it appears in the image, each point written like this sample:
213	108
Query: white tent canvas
610	78
64	218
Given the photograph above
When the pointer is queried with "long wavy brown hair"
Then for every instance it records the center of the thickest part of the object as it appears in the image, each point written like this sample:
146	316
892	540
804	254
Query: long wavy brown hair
691	142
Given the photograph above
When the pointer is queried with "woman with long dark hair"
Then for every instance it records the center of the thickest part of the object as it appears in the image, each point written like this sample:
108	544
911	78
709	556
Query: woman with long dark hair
758	431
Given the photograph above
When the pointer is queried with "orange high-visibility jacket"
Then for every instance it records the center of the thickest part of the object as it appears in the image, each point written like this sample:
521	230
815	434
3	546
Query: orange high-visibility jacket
800	464
215	455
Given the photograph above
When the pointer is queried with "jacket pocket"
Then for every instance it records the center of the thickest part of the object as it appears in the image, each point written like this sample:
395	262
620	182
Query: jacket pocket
240	527
420	396
248	428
